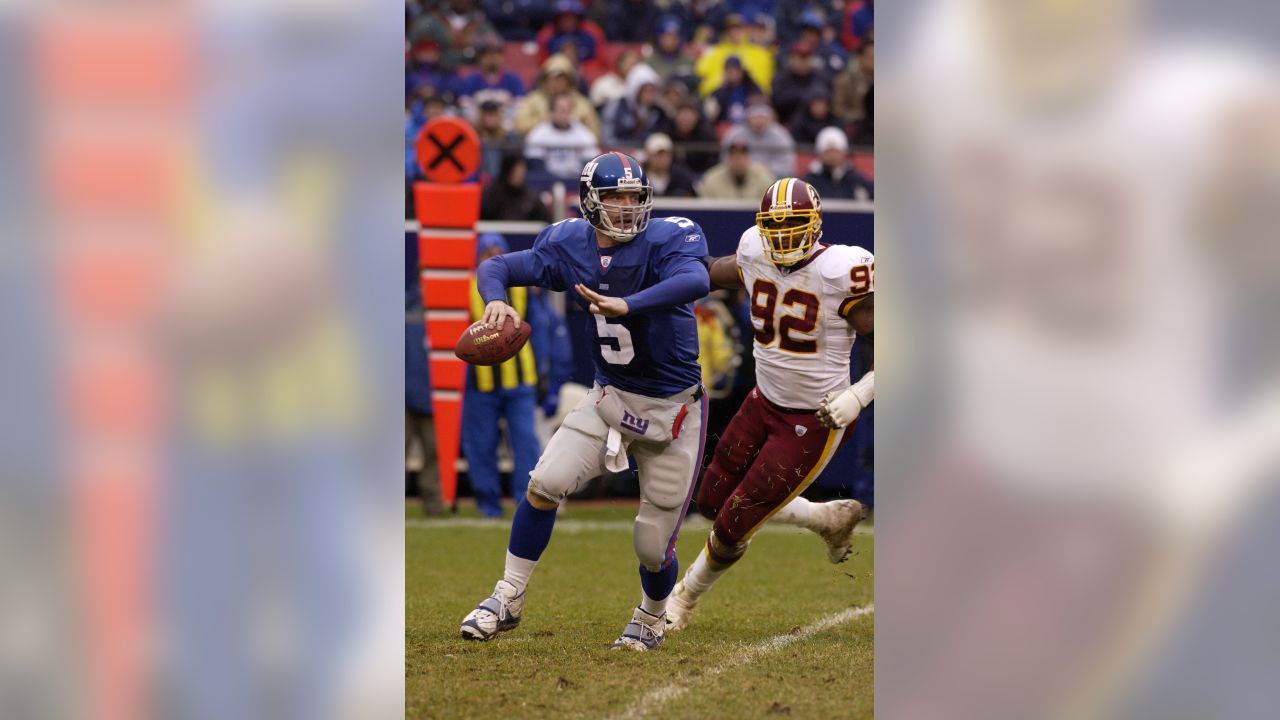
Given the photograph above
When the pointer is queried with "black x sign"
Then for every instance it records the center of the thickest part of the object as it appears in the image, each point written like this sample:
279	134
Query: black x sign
446	152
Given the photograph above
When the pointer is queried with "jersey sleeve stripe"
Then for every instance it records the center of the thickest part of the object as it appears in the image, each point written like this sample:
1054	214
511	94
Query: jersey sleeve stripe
847	305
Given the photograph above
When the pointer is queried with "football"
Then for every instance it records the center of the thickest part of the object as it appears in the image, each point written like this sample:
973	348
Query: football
484	344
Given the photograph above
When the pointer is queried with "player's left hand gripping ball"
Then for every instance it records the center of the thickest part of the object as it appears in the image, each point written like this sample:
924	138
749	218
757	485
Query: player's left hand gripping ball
601	304
490	344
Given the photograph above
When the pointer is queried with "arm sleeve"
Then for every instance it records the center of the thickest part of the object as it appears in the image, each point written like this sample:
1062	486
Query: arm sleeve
534	267
686	284
682	272
496	274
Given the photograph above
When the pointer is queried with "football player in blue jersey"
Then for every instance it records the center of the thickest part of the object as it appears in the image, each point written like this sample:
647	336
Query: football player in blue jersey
639	279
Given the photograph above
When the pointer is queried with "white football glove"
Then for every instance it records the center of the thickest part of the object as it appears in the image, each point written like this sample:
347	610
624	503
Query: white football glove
838	409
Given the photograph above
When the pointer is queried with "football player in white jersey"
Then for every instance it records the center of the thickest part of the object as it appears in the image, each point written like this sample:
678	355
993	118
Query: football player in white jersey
808	301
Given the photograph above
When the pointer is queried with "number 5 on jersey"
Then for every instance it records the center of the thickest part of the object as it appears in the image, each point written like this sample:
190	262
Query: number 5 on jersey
610	334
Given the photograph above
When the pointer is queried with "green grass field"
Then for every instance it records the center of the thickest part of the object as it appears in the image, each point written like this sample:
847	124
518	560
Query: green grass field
784	633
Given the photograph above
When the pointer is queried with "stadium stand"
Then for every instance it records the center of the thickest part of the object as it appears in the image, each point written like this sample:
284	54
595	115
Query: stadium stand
434	81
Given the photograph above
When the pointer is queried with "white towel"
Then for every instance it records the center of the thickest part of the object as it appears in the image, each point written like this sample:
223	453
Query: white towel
615	456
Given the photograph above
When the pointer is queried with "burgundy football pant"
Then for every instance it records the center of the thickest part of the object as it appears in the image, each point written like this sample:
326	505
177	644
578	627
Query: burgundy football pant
767	456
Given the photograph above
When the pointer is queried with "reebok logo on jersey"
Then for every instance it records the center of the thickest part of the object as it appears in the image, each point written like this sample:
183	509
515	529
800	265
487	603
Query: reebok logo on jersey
637	425
691	238
801	430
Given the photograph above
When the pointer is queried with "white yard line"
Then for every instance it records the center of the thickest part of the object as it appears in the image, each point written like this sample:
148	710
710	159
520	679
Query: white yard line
571	526
653	701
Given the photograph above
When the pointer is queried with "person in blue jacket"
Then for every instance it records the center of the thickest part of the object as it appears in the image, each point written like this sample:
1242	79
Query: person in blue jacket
639	280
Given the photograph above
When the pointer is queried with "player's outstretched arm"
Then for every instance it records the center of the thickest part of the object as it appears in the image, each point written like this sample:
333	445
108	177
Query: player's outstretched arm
725	273
686	283
602	304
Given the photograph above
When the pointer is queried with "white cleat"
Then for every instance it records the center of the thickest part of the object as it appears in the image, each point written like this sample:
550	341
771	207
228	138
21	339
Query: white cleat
840	518
644	632
680	607
497	613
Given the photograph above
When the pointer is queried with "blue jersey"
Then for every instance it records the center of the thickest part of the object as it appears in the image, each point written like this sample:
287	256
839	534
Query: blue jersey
506	90
653	349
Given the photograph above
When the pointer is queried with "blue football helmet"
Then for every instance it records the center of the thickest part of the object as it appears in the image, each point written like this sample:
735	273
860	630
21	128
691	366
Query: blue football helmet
611	173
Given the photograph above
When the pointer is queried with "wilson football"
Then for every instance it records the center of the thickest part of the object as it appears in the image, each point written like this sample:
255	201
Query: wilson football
484	344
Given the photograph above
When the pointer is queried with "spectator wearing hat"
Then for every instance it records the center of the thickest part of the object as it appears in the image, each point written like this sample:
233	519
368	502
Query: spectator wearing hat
669	58
696	143
630	21
738	177
495	138
816	32
770	143
668	177
631	118
562	145
558	78
613	84
831	174
859	23
516	20
509	197
789	16
458	27
569	26
763	31
489	82
729	102
699	19
795	82
674	94
423	72
734	42
813	117
854	93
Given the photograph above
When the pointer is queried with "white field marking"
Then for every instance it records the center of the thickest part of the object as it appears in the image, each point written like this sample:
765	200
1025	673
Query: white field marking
572	526
651	702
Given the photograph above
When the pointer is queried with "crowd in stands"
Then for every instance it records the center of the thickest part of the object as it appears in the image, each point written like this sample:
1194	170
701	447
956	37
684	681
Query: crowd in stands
717	97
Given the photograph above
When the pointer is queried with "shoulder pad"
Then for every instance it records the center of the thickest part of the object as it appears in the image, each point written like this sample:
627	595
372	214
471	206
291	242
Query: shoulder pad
749	245
838	260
